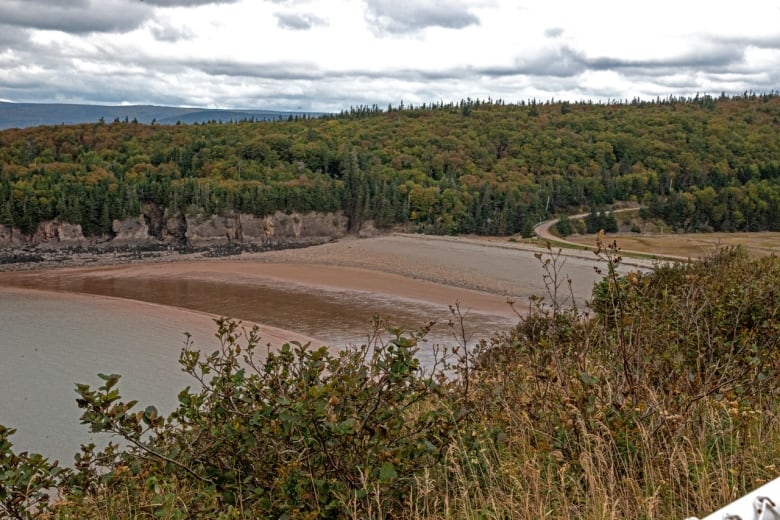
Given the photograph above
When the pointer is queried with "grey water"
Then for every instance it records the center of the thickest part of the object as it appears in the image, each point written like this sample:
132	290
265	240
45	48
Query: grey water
51	341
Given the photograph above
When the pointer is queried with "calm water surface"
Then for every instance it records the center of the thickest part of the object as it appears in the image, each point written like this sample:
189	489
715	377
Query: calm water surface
50	341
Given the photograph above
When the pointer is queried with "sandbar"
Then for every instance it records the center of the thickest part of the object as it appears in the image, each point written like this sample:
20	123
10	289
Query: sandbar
479	275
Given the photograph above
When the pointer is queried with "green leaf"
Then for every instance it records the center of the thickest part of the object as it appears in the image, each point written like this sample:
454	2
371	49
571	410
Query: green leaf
588	379
150	414
111	380
387	472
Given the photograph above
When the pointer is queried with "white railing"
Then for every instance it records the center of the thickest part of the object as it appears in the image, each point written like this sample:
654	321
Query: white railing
760	504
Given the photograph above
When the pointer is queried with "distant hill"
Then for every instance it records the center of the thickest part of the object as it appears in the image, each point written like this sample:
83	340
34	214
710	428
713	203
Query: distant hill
23	115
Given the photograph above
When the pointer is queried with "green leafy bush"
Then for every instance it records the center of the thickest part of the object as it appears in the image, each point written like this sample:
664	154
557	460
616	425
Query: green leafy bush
25	479
307	433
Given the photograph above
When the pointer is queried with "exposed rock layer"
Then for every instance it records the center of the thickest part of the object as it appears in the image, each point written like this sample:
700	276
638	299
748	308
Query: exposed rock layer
159	226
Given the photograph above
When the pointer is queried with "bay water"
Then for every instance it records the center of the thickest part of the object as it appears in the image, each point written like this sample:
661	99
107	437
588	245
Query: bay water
49	341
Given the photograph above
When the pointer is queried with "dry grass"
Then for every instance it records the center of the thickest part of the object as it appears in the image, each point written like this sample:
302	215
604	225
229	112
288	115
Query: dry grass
693	245
701	469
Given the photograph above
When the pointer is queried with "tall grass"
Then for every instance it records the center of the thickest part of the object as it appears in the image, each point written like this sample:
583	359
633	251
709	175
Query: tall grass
661	405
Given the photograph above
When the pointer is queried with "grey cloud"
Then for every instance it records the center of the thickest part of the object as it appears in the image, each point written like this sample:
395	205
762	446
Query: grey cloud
562	68
559	62
311	72
79	16
549	62
88	16
762	42
12	37
279	70
299	21
553	32
565	61
59	3
169	33
68	85
298	71
677	82
714	57
409	16
546	64
186	3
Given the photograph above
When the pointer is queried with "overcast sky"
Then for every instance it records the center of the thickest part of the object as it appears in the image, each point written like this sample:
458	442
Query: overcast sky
326	55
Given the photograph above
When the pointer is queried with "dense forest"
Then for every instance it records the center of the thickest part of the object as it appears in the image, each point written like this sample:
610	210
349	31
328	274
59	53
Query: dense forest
485	167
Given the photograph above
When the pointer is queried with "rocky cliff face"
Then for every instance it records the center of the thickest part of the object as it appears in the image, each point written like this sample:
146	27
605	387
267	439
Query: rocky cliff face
273	230
51	233
158	226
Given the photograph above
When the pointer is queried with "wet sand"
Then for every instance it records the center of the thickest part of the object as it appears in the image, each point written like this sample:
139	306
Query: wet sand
393	270
64	325
199	325
298	276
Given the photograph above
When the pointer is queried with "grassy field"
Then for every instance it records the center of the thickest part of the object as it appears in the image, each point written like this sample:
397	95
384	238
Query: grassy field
694	245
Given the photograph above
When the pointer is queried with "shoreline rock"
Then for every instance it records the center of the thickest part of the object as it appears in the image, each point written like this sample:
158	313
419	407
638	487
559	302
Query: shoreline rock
158	234
31	258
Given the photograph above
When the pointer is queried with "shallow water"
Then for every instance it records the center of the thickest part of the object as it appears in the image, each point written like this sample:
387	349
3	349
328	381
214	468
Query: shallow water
335	317
51	340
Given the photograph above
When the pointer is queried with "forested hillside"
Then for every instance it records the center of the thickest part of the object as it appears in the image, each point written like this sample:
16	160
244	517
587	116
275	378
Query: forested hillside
472	167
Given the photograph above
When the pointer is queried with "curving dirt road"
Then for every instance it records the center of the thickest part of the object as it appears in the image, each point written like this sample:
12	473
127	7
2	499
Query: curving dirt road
543	231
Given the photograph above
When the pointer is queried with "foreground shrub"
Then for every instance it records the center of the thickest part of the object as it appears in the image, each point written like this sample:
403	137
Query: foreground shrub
662	405
660	401
304	434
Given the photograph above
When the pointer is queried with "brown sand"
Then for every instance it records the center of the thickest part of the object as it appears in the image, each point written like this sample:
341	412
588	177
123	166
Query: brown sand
441	271
199	325
693	245
318	276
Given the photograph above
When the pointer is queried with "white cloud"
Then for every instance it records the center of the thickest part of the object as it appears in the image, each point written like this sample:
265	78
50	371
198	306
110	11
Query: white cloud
330	54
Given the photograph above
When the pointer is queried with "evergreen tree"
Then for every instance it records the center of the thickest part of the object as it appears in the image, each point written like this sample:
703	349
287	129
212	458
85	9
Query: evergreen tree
564	226
7	214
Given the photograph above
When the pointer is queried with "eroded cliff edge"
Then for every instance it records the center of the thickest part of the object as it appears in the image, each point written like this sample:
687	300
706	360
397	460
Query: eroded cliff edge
157	226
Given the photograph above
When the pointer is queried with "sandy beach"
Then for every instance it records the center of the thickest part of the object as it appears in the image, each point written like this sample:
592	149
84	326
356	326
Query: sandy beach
480	275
